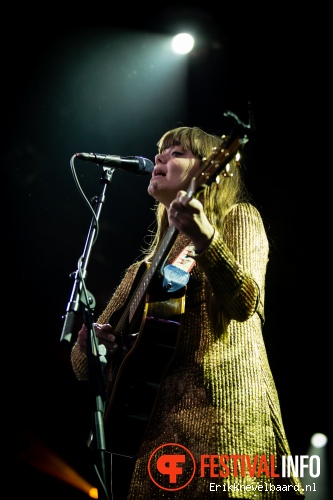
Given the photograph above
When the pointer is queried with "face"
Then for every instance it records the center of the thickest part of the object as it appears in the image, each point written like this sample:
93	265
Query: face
174	169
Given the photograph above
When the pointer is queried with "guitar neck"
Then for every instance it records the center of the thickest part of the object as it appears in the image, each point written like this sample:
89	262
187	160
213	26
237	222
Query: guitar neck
160	256
216	164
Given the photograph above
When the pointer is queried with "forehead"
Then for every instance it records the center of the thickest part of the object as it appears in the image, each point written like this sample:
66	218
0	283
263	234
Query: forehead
172	142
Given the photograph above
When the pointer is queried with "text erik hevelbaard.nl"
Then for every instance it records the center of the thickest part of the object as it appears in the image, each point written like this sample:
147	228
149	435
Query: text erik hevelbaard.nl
215	467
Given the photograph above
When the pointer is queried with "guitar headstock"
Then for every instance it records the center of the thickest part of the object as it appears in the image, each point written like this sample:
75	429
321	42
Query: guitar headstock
218	162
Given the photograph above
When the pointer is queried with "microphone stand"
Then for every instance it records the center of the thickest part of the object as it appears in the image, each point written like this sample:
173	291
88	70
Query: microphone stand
80	297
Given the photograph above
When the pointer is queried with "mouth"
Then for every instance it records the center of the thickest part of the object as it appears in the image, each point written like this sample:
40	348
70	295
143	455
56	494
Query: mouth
159	173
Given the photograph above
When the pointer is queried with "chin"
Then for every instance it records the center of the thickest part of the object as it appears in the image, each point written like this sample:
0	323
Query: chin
153	187
155	192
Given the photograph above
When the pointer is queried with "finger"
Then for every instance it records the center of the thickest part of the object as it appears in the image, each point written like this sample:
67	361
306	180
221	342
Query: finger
185	198
105	327
107	337
82	334
82	341
191	190
173	212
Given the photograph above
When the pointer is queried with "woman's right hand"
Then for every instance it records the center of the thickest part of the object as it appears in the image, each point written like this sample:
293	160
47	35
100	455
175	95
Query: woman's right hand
104	336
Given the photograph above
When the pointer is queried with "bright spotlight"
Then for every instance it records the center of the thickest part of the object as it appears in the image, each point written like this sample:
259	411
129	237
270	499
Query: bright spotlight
317	487
182	43
318	440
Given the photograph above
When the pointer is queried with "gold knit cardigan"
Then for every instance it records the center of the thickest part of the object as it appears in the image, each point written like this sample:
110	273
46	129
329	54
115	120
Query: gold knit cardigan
219	397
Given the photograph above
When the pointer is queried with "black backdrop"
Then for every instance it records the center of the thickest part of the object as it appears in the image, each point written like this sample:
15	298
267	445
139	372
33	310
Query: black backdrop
63	95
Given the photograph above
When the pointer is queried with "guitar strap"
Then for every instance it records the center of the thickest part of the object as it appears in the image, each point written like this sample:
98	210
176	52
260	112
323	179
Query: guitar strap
177	274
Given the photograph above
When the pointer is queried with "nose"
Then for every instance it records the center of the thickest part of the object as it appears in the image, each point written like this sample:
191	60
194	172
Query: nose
158	158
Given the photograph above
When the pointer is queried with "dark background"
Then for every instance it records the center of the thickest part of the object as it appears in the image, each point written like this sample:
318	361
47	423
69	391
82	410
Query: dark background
111	87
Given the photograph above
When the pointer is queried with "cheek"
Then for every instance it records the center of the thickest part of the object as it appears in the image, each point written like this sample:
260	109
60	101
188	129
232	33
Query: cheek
176	169
180	172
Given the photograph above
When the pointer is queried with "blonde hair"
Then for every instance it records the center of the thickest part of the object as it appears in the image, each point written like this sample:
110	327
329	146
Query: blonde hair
218	198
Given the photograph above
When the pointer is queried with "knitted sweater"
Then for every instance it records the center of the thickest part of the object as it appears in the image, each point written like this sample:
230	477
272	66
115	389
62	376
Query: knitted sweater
218	396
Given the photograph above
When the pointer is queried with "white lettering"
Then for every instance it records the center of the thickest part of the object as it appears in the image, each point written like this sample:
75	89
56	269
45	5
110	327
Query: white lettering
296	466
315	458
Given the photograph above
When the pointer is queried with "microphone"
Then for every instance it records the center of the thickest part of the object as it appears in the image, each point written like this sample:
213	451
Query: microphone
135	164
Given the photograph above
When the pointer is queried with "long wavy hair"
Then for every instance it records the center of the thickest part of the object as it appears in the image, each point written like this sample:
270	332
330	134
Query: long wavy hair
218	198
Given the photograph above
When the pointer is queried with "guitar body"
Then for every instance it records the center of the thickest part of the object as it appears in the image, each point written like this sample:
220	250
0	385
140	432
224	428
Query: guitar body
146	350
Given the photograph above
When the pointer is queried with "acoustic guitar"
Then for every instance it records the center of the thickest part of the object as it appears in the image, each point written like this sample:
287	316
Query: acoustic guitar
148	326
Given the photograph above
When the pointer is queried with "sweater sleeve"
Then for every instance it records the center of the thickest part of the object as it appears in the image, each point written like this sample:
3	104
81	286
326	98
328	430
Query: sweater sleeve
118	299
235	263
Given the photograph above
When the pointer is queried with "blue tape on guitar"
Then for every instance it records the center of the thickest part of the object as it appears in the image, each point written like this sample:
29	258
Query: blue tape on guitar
174	278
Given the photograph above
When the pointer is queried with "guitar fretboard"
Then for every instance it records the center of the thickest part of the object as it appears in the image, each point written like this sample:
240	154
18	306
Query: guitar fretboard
146	279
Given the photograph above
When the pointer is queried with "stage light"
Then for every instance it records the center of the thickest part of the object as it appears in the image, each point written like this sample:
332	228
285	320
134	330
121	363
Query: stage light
318	440
37	454
182	43
317	484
